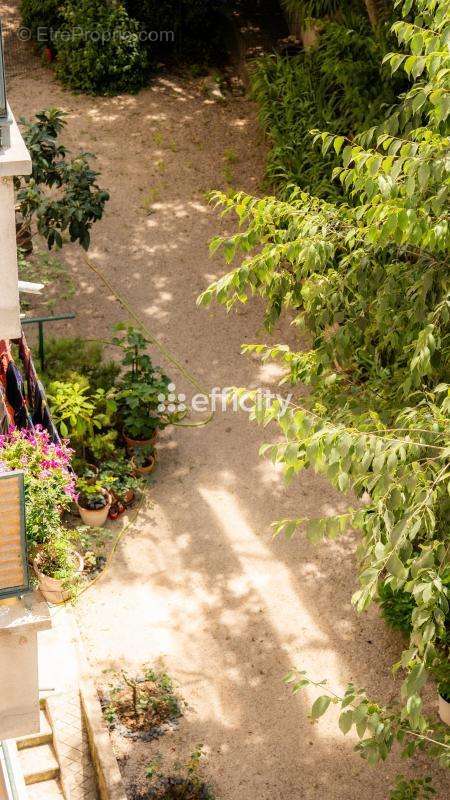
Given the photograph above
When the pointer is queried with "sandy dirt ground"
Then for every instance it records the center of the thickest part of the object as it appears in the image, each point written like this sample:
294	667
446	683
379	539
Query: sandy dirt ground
198	584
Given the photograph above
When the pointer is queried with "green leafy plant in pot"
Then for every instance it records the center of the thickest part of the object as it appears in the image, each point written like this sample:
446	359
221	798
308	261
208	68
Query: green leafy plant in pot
58	567
139	390
144	460
84	417
94	502
117	473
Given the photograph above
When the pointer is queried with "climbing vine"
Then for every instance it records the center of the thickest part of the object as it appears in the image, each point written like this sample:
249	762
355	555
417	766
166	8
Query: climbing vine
368	279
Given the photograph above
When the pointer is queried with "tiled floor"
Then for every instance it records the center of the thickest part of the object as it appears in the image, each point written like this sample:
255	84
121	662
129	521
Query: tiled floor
72	748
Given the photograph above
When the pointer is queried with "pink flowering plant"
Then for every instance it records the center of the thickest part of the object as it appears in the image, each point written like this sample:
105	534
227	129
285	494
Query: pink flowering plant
49	481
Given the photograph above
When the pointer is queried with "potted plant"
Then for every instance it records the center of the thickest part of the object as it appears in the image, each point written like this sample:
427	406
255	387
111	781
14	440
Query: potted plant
144	460
119	476
48	478
139	390
57	567
82	415
94	502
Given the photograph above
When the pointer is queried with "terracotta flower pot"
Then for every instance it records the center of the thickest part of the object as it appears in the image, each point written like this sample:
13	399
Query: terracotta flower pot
135	444
444	710
146	470
95	518
129	497
49	55
51	588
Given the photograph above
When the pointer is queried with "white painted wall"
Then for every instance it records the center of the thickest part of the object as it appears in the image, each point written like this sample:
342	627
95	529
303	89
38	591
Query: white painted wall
14	160
20	622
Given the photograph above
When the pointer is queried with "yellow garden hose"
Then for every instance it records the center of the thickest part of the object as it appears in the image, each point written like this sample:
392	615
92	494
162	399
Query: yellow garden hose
186	374
155	341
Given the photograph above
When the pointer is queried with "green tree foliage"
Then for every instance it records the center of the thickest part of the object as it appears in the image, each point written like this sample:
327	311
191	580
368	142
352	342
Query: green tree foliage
340	86
42	18
303	12
99	48
368	279
61	195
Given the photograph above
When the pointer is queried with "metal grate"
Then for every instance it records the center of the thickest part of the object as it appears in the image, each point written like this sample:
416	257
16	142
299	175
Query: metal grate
20	55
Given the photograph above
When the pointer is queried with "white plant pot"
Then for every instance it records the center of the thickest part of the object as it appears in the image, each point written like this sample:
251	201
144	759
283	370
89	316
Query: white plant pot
444	710
95	518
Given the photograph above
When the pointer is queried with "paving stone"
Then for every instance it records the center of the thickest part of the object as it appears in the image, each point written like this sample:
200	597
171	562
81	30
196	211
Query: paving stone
72	747
48	790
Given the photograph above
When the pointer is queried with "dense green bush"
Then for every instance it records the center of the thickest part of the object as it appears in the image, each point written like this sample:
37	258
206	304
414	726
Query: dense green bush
42	17
396	607
340	85
79	359
99	48
197	27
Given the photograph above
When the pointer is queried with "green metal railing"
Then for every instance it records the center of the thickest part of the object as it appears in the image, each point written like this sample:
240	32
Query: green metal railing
41	321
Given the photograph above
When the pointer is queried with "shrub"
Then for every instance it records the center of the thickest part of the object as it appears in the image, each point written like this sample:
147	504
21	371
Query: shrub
197	27
396	607
75	359
42	17
140	387
57	559
340	86
99	49
80	414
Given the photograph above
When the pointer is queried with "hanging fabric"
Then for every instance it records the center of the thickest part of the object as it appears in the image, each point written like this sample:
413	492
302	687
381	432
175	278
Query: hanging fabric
22	405
37	400
14	389
6	418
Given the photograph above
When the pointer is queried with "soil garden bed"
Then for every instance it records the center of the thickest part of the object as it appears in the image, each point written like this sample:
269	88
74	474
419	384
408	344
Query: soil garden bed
174	788
144	708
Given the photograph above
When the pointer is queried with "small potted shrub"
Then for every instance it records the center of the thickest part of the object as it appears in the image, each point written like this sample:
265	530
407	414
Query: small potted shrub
119	476
57	567
144	460
94	502
139	389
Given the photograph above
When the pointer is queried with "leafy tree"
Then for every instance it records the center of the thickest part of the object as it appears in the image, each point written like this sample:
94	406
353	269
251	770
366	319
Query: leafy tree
368	279
61	195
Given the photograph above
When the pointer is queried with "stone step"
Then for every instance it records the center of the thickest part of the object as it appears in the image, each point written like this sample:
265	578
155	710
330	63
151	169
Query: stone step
47	790
45	735
38	764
